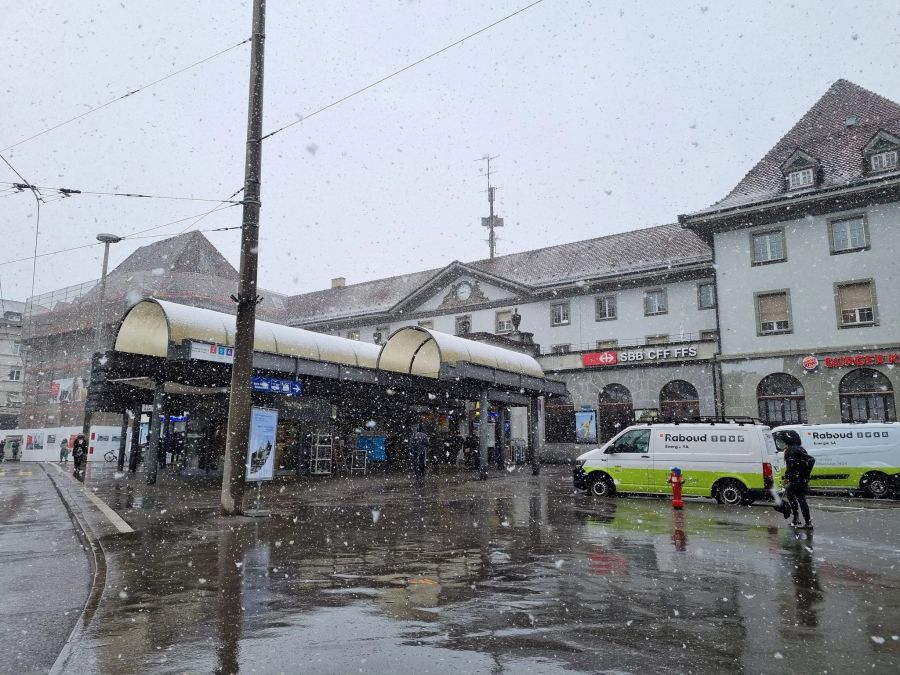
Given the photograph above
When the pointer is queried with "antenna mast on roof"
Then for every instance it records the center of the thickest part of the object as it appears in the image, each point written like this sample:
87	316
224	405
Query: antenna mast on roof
491	221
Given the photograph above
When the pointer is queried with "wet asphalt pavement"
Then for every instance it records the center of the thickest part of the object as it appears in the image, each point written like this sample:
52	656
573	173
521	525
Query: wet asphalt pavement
44	571
514	574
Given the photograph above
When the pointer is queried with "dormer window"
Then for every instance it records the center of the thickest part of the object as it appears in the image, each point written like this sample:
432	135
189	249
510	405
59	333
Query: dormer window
800	179
800	171
882	153
884	161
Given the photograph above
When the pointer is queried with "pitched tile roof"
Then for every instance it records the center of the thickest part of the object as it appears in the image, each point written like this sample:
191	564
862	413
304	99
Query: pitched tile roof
618	254
826	134
186	268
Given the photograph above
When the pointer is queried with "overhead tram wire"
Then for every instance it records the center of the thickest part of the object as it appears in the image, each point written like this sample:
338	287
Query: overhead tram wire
402	70
123	96
37	224
132	235
68	192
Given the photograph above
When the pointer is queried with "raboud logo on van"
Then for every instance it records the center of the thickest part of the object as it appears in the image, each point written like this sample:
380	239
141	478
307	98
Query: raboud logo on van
702	438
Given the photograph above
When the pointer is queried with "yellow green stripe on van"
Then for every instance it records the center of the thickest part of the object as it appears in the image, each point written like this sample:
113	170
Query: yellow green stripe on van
653	481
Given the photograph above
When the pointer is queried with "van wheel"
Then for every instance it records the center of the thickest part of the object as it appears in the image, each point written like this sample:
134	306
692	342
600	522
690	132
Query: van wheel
601	486
876	485
730	492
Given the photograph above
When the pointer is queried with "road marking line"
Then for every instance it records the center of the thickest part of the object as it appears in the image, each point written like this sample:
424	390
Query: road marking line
113	517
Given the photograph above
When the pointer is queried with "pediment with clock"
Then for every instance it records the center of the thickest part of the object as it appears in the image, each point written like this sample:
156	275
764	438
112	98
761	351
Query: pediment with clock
457	286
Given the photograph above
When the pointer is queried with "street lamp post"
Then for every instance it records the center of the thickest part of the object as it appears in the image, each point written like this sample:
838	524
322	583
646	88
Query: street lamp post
107	239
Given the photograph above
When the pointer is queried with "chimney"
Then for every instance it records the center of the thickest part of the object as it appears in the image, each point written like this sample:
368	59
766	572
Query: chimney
338	282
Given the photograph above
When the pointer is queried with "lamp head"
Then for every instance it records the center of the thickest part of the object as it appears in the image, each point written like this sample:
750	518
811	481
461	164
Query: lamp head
108	238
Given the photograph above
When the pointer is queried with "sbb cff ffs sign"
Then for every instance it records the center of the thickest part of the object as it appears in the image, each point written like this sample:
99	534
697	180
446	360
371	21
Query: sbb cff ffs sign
613	358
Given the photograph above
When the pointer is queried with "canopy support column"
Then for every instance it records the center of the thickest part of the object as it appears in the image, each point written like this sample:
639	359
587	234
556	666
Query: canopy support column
135	439
152	458
484	433
534	435
123	434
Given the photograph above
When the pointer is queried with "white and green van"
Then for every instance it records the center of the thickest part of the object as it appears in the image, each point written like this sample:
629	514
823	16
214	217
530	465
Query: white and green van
732	462
851	456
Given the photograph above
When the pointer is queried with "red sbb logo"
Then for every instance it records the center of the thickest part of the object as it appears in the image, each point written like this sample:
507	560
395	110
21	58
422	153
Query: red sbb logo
608	358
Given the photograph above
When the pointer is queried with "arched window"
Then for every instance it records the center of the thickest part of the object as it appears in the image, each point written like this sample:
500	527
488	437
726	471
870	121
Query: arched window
678	400
867	396
615	412
781	400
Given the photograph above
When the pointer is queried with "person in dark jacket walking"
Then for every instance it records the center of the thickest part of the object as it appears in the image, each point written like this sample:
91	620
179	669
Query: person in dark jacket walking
418	449
79	456
799	466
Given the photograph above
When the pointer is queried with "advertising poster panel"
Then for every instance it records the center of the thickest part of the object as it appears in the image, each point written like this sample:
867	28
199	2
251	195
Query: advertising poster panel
261	451
586	426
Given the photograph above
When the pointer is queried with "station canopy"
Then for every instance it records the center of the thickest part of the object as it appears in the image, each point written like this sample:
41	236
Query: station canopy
151	325
420	351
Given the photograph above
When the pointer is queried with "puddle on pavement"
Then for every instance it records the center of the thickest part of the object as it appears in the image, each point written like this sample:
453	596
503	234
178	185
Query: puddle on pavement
521	576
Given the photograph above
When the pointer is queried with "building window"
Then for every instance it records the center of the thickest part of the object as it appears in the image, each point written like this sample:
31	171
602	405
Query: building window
353	335
662	339
381	334
706	295
848	234
773	313
17	348
709	335
856	304
504	321
655	302
768	247
559	314
560	349
607	344
464	324
883	161
559	423
15	374
781	400
15	317
800	179
429	324
867	396
605	308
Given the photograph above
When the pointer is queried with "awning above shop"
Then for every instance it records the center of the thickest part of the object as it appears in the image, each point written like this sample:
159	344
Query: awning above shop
151	327
420	351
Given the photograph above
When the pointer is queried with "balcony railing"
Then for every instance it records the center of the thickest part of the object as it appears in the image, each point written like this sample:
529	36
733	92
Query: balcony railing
629	343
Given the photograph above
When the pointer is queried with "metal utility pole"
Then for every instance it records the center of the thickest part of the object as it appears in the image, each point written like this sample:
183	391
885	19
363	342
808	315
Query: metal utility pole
238	438
491	221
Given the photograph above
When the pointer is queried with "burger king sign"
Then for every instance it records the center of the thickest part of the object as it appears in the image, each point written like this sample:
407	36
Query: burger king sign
810	362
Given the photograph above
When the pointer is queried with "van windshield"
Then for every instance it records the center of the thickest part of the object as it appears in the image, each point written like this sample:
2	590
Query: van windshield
637	441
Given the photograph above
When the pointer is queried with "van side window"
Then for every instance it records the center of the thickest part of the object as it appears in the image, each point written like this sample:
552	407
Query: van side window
637	441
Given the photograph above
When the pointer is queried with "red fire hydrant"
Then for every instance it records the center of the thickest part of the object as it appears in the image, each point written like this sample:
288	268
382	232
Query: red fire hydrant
676	480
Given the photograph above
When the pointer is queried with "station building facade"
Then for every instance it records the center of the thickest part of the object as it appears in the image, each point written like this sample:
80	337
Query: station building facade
627	321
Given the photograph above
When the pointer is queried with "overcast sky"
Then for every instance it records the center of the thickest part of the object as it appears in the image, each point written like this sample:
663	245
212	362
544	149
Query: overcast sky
607	116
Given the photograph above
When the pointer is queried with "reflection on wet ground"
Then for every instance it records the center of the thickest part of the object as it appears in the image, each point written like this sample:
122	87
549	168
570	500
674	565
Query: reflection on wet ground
515	574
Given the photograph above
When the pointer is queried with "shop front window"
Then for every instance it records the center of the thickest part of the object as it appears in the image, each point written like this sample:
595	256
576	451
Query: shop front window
559	423
615	411
867	396
781	400
678	401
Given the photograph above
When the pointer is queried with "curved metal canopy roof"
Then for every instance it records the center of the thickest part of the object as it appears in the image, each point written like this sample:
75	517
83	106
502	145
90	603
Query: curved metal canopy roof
421	351
151	325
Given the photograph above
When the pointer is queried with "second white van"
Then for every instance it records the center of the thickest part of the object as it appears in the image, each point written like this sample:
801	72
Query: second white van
851	456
